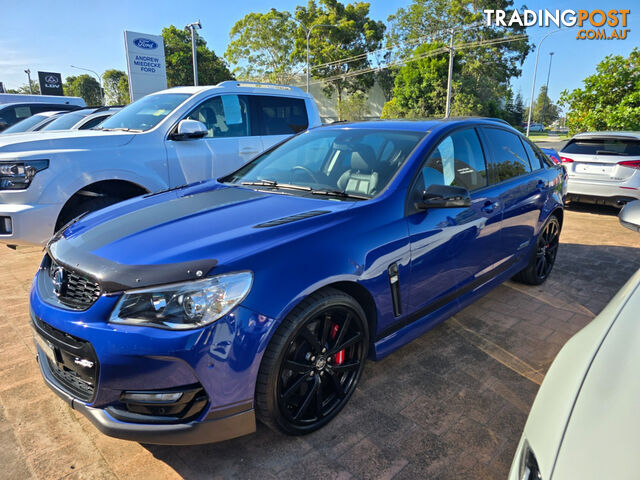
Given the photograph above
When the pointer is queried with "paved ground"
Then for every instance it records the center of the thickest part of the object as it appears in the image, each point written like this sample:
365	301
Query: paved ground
450	405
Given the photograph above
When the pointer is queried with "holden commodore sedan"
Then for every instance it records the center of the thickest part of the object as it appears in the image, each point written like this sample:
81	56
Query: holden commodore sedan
179	317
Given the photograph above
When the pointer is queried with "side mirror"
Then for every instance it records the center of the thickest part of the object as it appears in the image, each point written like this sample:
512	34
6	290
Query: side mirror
629	216
189	129
444	196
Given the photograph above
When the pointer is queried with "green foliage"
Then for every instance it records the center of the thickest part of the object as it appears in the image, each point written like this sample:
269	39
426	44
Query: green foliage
610	98
262	46
353	33
24	89
543	104
177	49
84	86
354	107
116	87
481	74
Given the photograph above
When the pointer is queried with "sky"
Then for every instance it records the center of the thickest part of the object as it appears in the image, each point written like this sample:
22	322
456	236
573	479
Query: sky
52	36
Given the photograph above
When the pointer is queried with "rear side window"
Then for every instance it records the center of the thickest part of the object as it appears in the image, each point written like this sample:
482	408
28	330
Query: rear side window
536	157
457	160
280	115
603	146
509	156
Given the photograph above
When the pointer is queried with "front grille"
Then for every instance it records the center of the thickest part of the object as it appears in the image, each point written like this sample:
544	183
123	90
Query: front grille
72	288
71	360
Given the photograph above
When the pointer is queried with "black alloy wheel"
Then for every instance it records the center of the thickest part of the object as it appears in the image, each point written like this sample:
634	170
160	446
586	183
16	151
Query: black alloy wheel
544	255
313	364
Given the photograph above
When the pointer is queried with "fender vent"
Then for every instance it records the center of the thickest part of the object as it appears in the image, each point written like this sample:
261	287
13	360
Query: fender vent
291	218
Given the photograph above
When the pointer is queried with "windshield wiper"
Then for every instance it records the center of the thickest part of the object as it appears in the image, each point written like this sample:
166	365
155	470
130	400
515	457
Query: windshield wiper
274	184
339	193
123	129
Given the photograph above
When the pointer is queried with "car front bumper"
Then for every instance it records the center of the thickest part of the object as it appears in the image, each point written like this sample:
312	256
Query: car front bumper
30	224
222	359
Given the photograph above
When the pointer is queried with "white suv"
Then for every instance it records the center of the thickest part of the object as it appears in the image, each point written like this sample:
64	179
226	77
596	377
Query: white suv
170	138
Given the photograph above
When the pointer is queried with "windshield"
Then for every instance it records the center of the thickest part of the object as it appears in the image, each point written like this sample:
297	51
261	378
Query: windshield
25	125
66	121
145	113
343	162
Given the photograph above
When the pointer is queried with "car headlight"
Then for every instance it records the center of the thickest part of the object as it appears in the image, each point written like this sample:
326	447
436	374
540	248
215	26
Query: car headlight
528	465
185	305
18	175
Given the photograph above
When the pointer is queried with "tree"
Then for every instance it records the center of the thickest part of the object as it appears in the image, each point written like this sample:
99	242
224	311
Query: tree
116	87
544	110
354	107
609	99
353	34
84	86
177	49
262	46
481	74
25	88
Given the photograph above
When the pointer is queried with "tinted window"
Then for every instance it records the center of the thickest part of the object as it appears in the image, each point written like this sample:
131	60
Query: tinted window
224	116
93	122
509	157
603	146
280	115
356	161
457	160
25	125
536	157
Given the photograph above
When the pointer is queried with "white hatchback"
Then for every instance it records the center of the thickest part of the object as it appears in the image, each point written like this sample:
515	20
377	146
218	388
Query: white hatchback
603	167
166	139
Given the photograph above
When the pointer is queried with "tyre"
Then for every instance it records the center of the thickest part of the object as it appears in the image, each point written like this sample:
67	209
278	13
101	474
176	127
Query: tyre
543	256
313	363
81	206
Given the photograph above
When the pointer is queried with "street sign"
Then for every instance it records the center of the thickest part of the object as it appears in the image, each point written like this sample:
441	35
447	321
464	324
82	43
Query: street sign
50	83
145	64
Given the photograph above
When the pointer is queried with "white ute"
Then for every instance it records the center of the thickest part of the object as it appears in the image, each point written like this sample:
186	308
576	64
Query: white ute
166	139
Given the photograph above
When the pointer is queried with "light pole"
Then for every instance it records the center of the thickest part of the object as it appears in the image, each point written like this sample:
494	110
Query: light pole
309	36
449	77
28	72
533	84
192	27
99	77
546	90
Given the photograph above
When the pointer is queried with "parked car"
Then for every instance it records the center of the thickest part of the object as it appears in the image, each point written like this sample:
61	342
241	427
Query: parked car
82	119
584	421
603	167
552	154
34	123
163	140
176	317
535	127
12	113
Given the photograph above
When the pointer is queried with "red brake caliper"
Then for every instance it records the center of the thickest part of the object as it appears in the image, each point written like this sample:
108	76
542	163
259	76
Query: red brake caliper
339	358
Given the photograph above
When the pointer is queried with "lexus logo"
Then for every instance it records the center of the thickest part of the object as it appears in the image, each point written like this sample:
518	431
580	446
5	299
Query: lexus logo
51	79
58	280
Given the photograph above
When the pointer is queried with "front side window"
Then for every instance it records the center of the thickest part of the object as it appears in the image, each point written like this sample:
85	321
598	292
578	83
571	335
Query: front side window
509	156
280	115
457	161
358	162
144	114
93	122
224	116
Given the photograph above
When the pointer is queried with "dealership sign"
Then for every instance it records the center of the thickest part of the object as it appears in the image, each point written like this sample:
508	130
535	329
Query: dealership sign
50	83
145	63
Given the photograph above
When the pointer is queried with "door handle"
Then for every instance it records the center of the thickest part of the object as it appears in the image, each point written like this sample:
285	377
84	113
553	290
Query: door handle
489	206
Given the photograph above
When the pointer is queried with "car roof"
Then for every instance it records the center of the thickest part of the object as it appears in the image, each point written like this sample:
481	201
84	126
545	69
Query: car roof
418	125
617	134
242	87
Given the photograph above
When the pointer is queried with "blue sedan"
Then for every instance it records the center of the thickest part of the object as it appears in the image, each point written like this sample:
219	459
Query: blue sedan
181	316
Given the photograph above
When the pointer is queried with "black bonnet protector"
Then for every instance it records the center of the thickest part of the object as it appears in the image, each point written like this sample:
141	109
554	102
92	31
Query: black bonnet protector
75	252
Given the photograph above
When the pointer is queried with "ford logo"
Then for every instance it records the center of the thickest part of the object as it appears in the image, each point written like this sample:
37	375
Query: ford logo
51	79
145	43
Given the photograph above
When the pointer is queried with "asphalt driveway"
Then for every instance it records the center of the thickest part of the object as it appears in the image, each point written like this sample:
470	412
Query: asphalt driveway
450	405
